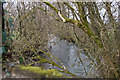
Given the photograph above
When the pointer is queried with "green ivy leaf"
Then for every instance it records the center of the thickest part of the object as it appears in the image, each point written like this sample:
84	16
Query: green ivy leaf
12	35
7	44
20	59
10	20
5	18
4	35
5	11
4	39
3	49
10	39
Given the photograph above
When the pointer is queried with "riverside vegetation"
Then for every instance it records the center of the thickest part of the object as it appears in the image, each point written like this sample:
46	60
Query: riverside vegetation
91	26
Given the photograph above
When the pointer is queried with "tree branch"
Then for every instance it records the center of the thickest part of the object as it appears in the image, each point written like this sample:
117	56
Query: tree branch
84	27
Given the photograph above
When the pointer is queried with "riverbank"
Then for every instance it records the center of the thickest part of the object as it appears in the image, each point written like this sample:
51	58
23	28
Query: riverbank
20	71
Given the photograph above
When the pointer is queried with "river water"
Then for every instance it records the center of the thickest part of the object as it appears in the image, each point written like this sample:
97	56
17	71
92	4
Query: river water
67	54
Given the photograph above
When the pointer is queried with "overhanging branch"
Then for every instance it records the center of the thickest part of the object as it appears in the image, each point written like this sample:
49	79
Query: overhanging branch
84	27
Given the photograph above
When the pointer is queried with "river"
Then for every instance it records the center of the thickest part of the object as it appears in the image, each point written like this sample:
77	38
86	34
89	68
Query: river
67	53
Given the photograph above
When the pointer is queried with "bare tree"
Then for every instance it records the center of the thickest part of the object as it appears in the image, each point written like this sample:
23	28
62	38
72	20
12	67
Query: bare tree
96	29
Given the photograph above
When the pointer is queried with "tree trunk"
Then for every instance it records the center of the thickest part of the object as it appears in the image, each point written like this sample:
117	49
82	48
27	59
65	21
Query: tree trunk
119	38
0	38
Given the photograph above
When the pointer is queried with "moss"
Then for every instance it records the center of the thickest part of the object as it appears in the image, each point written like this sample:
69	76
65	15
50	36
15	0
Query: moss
50	5
39	70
